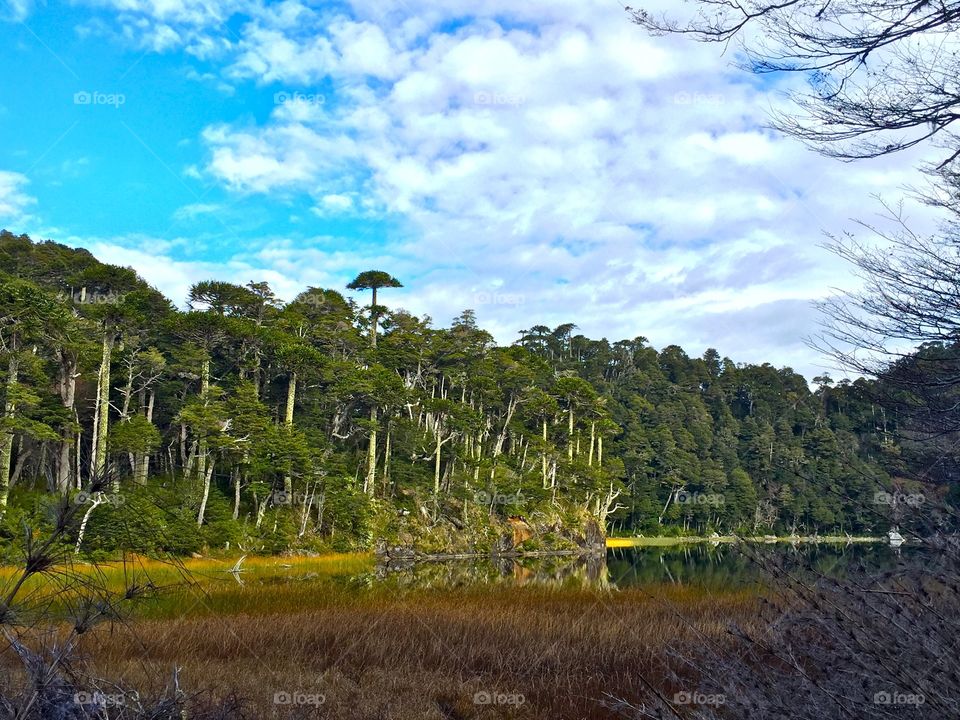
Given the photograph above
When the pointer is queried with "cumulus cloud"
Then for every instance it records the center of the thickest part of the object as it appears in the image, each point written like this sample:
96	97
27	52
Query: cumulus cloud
549	162
14	201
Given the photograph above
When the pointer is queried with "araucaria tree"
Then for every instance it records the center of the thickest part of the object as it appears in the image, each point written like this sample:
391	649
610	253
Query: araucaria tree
256	423
373	280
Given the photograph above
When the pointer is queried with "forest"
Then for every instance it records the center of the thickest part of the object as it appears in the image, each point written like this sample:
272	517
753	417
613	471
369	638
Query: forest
327	423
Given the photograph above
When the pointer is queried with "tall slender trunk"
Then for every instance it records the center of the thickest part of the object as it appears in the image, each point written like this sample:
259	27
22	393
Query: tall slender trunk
371	480
544	456
23	454
593	436
236	493
103	407
183	447
103	418
386	462
6	440
436	468
288	422
570	439
68	387
373	319
97	501
142	471
599	450
204	393
206	493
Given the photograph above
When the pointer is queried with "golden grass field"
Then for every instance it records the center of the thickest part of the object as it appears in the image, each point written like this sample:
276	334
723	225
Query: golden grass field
323	637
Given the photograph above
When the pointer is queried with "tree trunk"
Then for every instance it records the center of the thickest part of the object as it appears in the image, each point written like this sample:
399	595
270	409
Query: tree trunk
143	462
102	425
372	454
544	456
386	463
373	319
288	422
236	494
570	436
593	435
436	467
183	447
206	493
511	408
204	393
6	440
97	501
68	390
22	456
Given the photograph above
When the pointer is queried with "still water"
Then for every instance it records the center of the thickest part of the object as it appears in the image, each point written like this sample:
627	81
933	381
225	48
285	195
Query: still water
720	566
294	584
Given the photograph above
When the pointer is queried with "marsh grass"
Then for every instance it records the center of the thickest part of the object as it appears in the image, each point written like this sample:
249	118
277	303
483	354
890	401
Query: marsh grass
375	647
385	652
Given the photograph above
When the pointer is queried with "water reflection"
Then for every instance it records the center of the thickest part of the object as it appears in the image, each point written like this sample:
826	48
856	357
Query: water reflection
557	571
702	564
738	565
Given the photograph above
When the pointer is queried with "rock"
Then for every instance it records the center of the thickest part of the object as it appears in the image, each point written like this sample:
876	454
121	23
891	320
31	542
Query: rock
521	530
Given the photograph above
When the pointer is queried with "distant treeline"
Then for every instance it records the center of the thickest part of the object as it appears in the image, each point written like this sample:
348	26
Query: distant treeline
312	421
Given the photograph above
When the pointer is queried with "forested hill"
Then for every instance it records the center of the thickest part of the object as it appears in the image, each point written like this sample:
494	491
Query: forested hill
324	423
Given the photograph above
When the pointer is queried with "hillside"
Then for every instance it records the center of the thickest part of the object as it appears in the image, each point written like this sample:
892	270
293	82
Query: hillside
324	424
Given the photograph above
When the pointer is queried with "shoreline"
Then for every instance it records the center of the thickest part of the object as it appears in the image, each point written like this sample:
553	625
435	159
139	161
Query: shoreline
214	560
660	541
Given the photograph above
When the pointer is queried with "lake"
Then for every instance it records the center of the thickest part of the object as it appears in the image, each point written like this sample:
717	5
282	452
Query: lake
557	636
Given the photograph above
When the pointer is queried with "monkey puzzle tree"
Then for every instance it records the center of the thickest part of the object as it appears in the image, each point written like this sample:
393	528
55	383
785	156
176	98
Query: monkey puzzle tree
373	280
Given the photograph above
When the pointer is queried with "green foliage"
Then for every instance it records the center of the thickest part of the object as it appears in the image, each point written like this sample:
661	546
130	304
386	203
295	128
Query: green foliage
559	429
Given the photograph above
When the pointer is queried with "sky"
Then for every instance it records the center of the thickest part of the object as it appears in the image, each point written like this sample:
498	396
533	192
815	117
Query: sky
540	162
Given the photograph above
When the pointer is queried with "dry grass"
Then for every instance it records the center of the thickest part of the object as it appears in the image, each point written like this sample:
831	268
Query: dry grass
373	649
425	655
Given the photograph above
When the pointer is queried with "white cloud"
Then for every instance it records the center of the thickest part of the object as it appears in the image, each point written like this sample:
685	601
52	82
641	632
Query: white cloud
193	210
548	150
14	201
16	10
336	202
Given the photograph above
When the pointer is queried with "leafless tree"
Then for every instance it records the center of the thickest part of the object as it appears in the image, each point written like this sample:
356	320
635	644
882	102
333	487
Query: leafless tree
884	75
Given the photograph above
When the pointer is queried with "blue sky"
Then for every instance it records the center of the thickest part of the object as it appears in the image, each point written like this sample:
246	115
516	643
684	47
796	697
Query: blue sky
541	162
